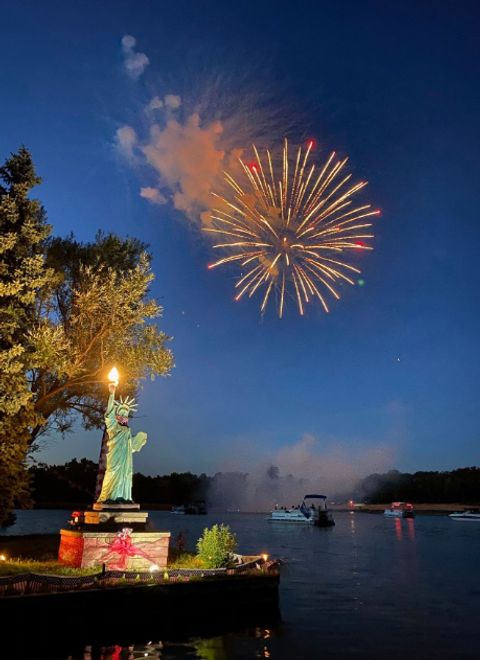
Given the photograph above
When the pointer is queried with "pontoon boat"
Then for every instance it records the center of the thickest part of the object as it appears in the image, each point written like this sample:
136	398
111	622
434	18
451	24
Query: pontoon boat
312	511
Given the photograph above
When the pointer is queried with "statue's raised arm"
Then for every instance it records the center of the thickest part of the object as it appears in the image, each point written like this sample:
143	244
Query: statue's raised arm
110	412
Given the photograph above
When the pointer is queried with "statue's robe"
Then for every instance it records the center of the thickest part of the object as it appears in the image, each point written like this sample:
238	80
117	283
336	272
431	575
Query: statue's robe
117	482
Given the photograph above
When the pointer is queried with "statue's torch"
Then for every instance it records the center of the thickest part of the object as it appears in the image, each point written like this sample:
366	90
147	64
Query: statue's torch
113	378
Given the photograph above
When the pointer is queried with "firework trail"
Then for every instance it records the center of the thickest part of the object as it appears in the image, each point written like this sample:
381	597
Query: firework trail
290	231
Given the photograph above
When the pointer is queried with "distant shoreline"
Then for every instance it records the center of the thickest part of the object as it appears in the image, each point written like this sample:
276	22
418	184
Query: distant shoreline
444	507
422	507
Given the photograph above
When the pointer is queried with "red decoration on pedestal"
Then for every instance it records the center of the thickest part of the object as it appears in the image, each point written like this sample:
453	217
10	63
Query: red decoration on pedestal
124	548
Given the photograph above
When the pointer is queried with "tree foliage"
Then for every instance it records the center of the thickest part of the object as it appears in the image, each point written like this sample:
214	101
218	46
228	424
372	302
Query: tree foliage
68	312
74	484
99	314
23	277
460	486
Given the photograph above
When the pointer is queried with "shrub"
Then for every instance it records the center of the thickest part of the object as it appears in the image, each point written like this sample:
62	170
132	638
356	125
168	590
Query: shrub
215	545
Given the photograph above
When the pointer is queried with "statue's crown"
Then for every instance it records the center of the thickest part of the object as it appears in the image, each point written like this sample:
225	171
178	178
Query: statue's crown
128	403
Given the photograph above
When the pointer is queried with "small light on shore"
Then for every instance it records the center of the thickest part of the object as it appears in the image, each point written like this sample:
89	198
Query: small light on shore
264	556
3	558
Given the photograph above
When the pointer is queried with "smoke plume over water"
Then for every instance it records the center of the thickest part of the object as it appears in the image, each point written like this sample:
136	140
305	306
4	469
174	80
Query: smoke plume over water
307	466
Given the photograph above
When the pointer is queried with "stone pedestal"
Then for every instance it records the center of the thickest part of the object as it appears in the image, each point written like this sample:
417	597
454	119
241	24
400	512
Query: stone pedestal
88	549
117	536
121	514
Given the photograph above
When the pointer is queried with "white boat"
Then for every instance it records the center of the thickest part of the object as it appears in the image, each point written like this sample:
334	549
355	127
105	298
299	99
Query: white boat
305	514
470	515
400	510
195	508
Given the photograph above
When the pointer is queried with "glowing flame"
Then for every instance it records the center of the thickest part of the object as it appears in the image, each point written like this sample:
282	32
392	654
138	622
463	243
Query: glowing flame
113	376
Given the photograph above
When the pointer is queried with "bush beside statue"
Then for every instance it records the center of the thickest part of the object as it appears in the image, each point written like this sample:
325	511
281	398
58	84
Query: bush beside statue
216	546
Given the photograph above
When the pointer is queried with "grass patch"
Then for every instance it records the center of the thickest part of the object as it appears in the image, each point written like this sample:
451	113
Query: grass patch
37	553
17	566
184	560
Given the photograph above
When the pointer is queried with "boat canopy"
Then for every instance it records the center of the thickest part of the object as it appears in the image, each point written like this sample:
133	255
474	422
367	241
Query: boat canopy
321	497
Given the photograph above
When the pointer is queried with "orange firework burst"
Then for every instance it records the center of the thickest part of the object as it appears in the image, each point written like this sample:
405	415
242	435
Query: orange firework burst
288	231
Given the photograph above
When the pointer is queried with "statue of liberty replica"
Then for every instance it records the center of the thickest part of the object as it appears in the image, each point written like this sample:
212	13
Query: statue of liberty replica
115	532
117	448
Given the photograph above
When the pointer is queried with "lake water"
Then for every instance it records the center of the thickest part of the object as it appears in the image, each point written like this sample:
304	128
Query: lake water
370	587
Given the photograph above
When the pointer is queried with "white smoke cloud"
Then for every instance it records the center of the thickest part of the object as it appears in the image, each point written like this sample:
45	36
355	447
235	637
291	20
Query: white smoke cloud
189	140
172	101
188	160
306	466
337	466
126	140
135	63
154	104
153	195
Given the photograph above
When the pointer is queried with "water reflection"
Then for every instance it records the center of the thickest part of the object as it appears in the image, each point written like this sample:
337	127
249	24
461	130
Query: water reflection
370	587
257	644
352	523
399	529
147	651
411	529
355	565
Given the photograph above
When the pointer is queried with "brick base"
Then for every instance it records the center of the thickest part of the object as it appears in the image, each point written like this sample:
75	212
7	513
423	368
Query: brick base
87	549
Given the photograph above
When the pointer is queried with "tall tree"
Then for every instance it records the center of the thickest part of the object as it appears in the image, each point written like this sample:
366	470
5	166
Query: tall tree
23	277
99	314
68	311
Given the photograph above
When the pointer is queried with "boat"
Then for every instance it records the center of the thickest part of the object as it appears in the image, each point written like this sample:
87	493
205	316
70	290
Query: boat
197	508
307	513
470	515
194	508
400	510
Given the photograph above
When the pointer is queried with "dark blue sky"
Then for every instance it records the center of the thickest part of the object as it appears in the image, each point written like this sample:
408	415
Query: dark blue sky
395	366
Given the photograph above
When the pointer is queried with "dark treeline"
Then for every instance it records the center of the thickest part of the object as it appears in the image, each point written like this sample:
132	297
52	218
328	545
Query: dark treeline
462	486
74	483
